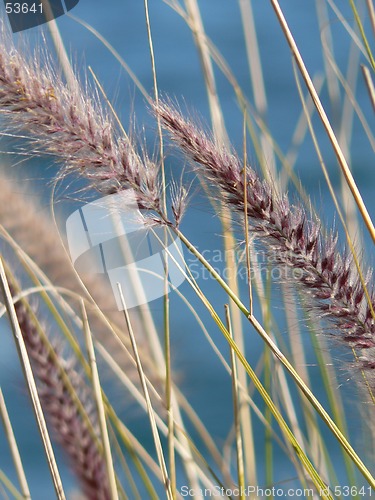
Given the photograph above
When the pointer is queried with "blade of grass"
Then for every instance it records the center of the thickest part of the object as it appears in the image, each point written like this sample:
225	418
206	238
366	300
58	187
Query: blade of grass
180	445
10	486
257	82
246	219
298	355
194	21
297	139
197	28
370	84
57	40
326	36
268	443
125	467
335	402
265	395
193	417
192	281
320	485
341	110
30	382
371	12
158	446
268	376
167	341
350	99
331	135
99	404
363	34
280	356
14	448
237	411
353	35
114	53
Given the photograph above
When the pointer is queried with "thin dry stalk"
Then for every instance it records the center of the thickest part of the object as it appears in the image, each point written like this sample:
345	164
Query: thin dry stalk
371	11
205	52
181	448
167	341
14	448
197	28
99	405
237	411
66	400
35	232
31	385
257	82
326	123
370	84
6	483
150	410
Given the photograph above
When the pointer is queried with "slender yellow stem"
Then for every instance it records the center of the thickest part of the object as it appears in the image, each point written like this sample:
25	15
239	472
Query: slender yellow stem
99	404
10	486
363	34
326	123
371	12
369	84
31	385
246	217
167	341
280	356
237	410
151	414
14	448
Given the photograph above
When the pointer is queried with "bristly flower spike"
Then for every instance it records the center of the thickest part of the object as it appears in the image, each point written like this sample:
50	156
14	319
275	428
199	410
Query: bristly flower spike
69	124
327	277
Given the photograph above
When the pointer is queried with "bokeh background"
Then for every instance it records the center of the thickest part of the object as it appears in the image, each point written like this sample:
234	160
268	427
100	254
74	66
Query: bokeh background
122	24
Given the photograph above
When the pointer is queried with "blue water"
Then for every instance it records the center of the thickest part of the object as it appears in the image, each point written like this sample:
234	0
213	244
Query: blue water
122	23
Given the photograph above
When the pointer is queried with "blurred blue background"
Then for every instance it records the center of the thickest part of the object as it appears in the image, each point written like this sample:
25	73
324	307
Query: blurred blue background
179	74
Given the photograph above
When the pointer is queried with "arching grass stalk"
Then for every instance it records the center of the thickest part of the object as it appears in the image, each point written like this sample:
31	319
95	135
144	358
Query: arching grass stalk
30	383
16	457
236	411
327	125
66	401
128	441
166	310
150	410
349	240
111	477
279	355
317	480
7	483
363	33
194	20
